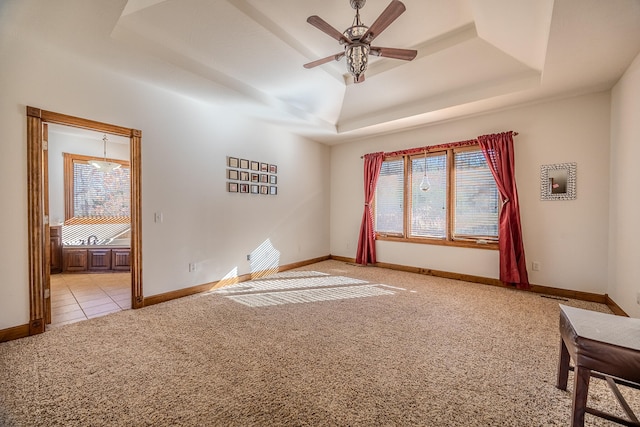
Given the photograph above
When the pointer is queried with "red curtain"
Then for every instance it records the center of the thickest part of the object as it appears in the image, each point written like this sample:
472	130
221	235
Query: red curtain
498	150
367	240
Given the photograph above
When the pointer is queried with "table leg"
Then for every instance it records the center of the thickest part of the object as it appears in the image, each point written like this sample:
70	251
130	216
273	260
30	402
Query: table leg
563	367
580	392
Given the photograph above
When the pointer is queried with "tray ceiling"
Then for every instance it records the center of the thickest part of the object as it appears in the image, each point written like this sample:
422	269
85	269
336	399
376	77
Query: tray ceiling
473	55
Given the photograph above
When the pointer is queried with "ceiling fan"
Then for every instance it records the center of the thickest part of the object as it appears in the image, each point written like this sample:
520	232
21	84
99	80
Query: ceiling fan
358	37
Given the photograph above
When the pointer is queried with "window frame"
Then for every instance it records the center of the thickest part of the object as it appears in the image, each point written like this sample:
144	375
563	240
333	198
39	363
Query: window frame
449	239
69	185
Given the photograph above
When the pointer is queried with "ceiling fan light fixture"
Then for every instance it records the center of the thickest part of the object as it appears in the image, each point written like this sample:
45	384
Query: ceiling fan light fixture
357	39
357	59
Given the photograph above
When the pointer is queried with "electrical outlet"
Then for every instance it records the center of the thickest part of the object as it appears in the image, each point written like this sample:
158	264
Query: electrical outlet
249	257
535	265
192	267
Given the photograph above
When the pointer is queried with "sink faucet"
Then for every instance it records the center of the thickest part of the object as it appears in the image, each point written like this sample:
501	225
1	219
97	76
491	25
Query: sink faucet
95	240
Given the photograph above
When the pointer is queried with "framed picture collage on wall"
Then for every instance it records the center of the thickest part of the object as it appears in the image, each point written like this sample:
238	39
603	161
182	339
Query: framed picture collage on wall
251	177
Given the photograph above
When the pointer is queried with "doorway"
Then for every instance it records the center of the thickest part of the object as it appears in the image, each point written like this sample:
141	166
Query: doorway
89	223
38	219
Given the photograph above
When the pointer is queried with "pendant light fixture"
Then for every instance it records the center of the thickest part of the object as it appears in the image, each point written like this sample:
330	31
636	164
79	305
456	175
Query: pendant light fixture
104	165
425	185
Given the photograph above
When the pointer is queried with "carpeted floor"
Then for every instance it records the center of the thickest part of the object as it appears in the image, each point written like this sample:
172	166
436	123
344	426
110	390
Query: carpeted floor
328	344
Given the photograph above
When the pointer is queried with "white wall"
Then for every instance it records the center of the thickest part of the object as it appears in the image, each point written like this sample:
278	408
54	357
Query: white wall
568	238
184	148
624	228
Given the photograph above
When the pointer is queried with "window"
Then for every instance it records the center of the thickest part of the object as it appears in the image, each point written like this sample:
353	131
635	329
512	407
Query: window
93	196
429	209
460	208
389	198
476	198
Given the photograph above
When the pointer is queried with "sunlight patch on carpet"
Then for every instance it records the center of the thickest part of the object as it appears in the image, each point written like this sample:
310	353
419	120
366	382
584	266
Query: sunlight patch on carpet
309	295
295	287
393	287
293	273
290	283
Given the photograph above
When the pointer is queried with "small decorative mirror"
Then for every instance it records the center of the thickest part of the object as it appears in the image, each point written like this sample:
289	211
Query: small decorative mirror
558	182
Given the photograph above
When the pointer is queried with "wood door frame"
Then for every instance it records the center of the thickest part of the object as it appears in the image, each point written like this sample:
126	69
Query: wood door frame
38	256
47	225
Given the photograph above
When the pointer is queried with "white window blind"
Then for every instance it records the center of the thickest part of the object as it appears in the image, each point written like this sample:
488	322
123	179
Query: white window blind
476	198
98	194
389	199
429	209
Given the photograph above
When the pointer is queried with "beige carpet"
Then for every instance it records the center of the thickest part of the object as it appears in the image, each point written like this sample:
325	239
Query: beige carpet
333	345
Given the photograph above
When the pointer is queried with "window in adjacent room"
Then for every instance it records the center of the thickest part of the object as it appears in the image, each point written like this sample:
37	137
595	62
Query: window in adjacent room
460	208
93	196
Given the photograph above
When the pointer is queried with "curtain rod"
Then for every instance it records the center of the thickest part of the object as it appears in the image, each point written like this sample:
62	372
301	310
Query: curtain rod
514	133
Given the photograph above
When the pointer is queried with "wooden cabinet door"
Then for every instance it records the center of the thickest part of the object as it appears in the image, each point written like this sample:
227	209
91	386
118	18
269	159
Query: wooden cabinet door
99	259
121	259
74	259
55	253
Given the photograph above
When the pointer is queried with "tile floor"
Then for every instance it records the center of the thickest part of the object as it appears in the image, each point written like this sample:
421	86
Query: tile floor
76	297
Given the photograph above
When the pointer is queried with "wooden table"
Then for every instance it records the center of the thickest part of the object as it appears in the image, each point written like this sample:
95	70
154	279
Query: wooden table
601	346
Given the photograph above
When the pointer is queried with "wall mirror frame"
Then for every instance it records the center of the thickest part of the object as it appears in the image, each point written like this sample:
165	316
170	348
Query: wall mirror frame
558	181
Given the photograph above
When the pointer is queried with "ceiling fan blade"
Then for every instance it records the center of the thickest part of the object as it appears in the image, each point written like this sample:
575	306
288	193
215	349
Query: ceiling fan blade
390	52
326	28
390	14
336	57
359	79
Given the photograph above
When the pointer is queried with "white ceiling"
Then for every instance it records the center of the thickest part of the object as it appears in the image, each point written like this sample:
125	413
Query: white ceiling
473	55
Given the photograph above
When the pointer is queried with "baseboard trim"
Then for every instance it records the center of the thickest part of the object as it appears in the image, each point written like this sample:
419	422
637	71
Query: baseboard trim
206	287
443	274
343	259
547	290
428	272
14	333
185	292
614	307
303	263
567	293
